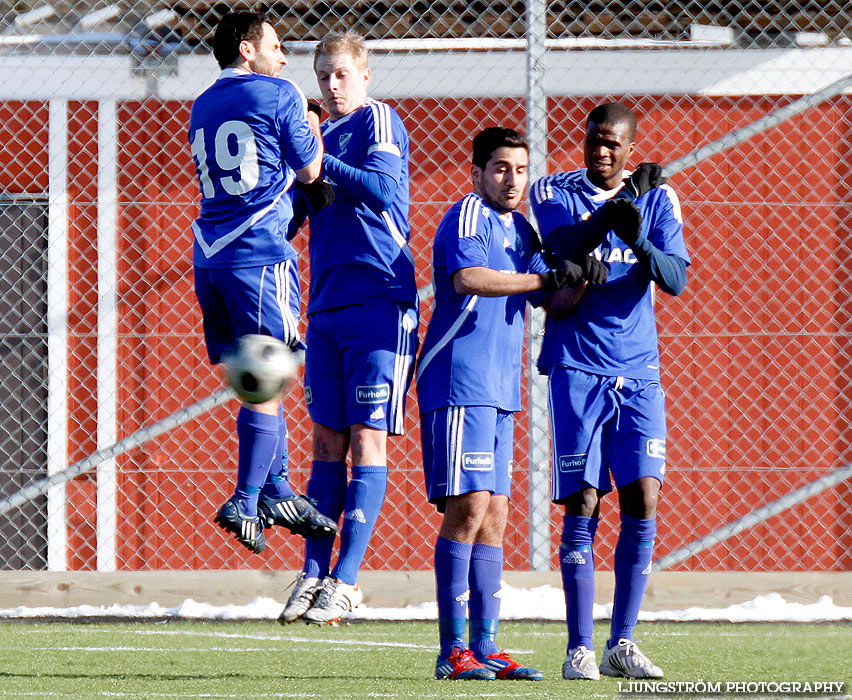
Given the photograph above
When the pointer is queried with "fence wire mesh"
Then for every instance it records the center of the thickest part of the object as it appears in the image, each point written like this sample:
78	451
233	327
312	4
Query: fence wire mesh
100	334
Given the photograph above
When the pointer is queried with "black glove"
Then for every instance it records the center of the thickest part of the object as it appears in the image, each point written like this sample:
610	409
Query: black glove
645	178
316	109
320	193
565	274
623	217
594	271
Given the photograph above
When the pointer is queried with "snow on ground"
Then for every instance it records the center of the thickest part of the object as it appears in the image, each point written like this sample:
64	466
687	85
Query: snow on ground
541	603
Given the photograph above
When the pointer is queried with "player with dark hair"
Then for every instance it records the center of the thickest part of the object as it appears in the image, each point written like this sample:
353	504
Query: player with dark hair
601	355
251	141
362	330
486	262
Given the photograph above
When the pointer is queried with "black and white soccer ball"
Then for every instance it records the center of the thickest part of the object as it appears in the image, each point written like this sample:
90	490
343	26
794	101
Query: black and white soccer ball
259	367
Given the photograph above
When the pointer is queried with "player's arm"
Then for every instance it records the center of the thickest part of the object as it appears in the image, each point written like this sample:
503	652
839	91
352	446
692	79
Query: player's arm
376	179
667	270
311	172
567	235
374	183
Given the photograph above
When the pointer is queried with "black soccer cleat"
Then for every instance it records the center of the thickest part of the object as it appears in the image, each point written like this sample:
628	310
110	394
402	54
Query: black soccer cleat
248	530
297	514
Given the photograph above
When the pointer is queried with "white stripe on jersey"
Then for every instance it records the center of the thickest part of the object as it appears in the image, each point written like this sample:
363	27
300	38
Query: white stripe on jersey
455	441
391	148
469	216
211	250
382	131
284	294
448	336
543	189
396	234
402	363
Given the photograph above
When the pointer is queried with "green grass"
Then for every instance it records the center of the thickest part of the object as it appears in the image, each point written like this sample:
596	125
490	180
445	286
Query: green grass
378	660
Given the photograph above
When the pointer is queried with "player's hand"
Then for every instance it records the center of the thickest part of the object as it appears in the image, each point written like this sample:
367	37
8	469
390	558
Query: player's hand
646	177
314	107
594	271
320	193
565	274
624	217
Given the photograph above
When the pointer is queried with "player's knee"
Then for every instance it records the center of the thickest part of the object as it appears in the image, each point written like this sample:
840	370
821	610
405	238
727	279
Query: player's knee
369	446
585	502
328	444
639	499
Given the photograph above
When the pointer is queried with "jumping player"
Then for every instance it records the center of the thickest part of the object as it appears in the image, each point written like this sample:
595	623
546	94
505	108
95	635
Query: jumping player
362	330
486	261
601	355
251	139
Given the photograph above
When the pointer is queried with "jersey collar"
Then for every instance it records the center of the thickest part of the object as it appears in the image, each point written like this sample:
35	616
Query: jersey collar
600	195
233	73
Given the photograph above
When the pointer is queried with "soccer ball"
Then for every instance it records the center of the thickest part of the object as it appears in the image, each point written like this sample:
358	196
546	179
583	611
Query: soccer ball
259	367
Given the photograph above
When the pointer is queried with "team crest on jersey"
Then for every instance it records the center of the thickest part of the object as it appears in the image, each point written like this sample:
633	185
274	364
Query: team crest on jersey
656	448
372	393
572	463
478	461
342	143
308	395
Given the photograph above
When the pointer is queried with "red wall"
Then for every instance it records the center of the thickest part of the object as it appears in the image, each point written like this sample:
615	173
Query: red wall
756	352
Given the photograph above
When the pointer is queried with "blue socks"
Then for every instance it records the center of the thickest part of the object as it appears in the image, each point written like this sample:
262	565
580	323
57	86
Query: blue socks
452	567
486	572
327	486
576	559
364	498
633	555
258	435
278	482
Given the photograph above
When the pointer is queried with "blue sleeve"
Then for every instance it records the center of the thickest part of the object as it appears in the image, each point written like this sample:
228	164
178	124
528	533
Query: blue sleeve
300	213
466	244
376	179
663	251
564	235
666	269
298	143
375	183
538	265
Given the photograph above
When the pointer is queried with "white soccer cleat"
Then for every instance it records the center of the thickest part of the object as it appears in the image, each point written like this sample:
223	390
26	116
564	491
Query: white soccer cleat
580	664
301	599
624	660
335	599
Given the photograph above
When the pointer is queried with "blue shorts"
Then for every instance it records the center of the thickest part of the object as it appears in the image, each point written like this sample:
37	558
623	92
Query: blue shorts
242	300
358	365
467	449
601	426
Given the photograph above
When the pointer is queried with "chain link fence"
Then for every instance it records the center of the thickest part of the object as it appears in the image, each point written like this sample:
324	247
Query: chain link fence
100	335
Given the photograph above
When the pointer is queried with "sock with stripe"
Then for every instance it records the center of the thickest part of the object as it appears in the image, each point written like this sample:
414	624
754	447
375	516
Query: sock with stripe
364	498
486	572
278	482
257	434
632	566
452	569
576	557
327	486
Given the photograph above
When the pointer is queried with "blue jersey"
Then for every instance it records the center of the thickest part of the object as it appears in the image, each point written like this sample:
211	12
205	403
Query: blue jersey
359	245
472	350
248	134
612	331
